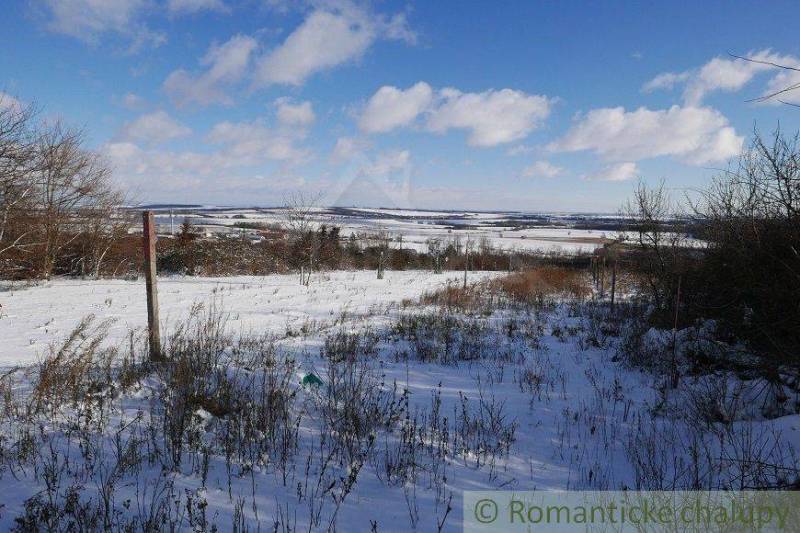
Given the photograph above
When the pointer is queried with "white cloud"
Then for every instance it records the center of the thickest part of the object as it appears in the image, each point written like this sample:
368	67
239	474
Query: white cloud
781	81
719	74
391	107
253	141
696	135
542	169
231	151
233	164
9	102
137	167
189	173
347	148
616	172
281	6
88	20
132	101
291	114
195	6
227	64
520	149
387	163
154	128
665	80
492	117
333	34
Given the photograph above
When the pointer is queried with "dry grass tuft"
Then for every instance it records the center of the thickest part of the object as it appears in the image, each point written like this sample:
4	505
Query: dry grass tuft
77	369
545	281
455	296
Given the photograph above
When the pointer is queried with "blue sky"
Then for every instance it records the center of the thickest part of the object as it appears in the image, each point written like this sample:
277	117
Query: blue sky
478	105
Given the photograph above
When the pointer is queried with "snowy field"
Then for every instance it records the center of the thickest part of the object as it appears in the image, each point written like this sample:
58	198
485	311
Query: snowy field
500	397
33	318
411	229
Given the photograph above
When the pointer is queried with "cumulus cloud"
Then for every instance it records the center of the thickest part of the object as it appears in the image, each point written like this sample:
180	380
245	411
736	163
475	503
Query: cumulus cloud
695	135
154	171
88	20
132	101
154	174
347	148
253	141
520	149
492	117
391	107
387	163
665	80
233	156
195	6
333	34
542	169
616	172
785	79
227	64
299	114
720	74
154	128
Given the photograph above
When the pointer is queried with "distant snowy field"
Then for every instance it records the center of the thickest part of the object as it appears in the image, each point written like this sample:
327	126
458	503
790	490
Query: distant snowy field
411	229
32	318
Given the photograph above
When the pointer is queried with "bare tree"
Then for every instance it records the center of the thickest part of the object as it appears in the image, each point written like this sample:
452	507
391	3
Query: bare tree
382	239
104	225
299	208
467	249
660	240
73	192
17	155
436	251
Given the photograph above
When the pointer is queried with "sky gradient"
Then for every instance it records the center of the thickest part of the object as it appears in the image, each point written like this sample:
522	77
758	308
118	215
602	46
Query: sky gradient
554	106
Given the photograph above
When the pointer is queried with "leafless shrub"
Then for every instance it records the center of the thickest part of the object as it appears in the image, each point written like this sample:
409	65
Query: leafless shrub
484	434
443	338
694	455
355	406
349	346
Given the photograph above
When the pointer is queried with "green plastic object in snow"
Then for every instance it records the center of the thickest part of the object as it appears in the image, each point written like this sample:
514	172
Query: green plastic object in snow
311	379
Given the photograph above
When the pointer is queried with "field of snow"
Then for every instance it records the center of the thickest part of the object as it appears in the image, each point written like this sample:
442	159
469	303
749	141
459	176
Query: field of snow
531	398
32	318
411	229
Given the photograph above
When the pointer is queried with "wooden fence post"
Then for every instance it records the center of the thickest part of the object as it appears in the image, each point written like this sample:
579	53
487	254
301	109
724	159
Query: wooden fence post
466	263
149	231
613	281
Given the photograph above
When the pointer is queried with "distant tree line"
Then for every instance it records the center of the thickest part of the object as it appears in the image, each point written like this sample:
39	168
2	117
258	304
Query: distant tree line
323	248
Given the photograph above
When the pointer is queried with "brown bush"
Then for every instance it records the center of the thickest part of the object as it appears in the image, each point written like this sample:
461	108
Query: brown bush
545	281
533	286
456	296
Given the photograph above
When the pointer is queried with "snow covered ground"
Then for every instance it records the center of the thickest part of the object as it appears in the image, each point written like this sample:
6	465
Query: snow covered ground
506	231
34	317
497	398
